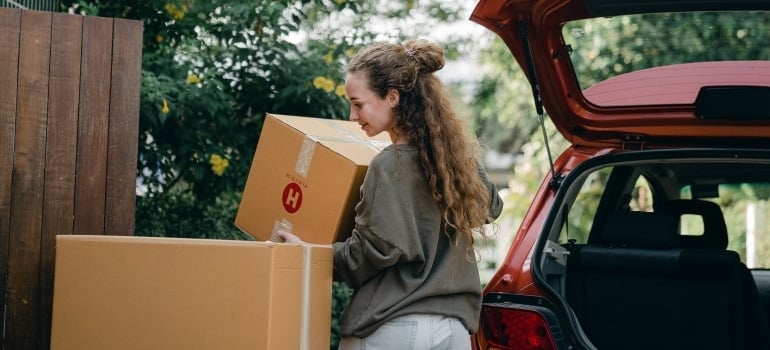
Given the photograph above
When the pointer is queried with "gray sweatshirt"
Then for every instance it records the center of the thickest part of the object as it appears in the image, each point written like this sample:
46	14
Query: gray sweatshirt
398	259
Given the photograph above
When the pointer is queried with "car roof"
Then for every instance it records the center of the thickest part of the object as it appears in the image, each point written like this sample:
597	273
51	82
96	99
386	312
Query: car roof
722	101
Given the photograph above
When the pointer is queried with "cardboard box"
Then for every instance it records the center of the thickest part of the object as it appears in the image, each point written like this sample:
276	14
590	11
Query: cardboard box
116	293
306	176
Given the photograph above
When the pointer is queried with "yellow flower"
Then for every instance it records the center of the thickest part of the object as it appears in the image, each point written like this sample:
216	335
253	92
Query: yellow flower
175	12
165	108
350	52
218	164
324	83
339	2
159	38
340	90
318	82
409	4
193	79
328	85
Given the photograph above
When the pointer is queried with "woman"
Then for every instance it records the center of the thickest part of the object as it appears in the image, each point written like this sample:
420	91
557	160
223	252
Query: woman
410	257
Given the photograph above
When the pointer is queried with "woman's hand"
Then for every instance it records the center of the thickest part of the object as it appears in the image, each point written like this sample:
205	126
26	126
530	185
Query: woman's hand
289	237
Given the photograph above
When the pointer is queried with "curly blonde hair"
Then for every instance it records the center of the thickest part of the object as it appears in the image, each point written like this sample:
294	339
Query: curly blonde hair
448	153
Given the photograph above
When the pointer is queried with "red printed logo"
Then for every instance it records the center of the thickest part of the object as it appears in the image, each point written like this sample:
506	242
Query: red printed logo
292	197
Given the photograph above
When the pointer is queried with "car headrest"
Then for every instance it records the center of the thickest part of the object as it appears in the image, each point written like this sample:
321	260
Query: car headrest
714	228
639	229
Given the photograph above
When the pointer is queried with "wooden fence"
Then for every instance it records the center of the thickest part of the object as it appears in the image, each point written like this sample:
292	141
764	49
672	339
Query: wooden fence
69	111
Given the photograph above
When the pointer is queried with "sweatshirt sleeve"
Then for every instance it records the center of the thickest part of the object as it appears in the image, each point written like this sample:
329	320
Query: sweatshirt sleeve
361	257
366	252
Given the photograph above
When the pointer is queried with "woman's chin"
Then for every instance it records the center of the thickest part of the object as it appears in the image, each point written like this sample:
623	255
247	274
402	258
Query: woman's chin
369	132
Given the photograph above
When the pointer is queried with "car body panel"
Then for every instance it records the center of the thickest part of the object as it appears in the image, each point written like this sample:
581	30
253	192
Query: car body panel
522	248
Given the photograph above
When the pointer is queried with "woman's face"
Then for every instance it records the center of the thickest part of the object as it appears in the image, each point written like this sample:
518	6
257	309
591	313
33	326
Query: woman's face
373	113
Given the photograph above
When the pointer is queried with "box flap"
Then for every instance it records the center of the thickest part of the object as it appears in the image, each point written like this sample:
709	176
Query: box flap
341	136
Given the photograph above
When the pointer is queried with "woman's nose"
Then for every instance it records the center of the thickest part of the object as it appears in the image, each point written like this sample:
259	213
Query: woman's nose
353	115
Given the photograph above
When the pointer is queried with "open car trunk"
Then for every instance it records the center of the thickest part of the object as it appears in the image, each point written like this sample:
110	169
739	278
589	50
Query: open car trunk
650	231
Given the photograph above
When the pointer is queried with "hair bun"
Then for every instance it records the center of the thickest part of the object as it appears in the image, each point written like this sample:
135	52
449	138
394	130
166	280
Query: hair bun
429	56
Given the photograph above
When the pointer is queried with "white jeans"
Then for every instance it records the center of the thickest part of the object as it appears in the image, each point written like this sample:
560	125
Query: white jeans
414	332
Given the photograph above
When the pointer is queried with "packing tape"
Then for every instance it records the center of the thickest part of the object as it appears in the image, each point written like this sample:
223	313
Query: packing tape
307	268
305	156
280	225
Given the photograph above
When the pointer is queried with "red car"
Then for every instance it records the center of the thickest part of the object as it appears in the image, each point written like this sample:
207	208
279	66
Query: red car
651	231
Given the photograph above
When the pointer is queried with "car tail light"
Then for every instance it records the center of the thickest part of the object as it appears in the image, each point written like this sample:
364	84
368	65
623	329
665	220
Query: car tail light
509	328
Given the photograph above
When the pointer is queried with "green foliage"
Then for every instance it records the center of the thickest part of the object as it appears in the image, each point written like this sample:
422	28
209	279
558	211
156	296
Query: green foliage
735	202
341	295
180	215
504	110
630	43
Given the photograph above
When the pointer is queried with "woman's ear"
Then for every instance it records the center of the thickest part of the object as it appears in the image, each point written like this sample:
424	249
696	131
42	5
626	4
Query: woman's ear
392	97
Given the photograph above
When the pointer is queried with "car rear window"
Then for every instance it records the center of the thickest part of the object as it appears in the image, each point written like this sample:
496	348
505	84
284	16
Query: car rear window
604	48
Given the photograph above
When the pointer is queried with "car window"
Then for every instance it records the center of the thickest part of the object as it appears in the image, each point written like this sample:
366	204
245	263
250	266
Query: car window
582	213
609	47
745	206
584	209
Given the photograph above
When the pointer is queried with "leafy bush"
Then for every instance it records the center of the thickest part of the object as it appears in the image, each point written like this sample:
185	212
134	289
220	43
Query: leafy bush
341	294
179	214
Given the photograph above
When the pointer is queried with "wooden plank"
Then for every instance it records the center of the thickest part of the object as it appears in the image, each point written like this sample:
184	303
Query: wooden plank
123	127
61	149
92	125
10	23
22	323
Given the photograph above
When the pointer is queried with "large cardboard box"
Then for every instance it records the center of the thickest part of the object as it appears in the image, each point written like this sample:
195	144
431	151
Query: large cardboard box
133	293
306	177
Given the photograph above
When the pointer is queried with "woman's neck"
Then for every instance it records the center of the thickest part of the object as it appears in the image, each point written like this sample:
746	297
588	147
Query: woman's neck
397	138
